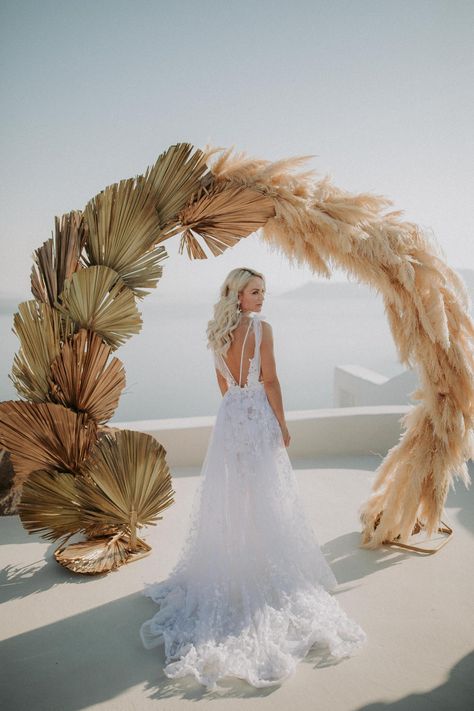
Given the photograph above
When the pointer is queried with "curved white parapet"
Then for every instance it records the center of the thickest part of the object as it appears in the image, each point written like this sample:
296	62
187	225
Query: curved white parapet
336	430
355	385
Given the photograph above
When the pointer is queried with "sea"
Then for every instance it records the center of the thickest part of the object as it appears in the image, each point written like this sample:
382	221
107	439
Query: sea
170	371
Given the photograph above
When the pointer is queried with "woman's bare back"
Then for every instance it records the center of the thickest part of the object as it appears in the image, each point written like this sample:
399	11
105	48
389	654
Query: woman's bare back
233	355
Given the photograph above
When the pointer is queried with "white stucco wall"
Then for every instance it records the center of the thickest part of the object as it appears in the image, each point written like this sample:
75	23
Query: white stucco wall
338	430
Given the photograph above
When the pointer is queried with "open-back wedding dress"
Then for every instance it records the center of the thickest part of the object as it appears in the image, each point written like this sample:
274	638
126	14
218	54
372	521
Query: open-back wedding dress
250	593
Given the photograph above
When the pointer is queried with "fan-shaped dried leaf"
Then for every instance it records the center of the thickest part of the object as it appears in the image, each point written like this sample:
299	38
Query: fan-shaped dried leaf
98	555
176	176
123	227
222	217
133	482
49	503
41	330
58	258
83	380
44	436
96	299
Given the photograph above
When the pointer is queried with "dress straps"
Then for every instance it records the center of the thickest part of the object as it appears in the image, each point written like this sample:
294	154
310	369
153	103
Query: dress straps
243	348
221	363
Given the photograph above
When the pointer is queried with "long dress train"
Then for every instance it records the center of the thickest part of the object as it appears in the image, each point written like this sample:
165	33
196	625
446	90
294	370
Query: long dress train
250	593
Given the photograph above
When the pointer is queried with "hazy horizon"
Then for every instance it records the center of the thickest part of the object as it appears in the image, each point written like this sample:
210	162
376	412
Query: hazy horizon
8	302
170	371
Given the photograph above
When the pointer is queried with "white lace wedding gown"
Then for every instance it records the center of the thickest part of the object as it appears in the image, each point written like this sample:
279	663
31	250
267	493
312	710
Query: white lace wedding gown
248	596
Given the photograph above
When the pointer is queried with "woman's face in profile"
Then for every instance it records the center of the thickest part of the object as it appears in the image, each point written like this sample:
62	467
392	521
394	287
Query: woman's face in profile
252	296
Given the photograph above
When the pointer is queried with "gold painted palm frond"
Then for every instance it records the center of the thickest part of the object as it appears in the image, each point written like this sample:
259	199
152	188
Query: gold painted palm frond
97	299
44	435
99	555
131	482
58	258
142	275
49	503
84	380
222	216
176	176
123	227
40	330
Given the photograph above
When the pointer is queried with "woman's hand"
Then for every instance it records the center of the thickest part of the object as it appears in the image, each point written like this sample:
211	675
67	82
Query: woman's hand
285	434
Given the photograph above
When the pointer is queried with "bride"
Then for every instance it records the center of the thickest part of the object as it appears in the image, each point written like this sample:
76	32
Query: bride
250	592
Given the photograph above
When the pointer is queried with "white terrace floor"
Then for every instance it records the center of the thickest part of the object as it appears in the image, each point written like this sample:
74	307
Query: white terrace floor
71	642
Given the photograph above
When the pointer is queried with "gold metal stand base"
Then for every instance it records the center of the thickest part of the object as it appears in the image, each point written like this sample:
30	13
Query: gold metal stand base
444	528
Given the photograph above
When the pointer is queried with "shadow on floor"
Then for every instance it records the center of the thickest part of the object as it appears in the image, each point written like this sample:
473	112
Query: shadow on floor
95	656
456	694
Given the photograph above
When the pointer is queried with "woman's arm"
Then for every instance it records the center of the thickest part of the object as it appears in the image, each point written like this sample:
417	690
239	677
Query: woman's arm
221	381
270	378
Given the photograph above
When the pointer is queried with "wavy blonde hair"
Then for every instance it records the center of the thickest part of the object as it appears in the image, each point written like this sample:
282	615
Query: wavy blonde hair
226	311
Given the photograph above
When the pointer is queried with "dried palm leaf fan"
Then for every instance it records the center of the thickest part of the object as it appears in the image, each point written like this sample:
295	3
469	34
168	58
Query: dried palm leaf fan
99	555
49	503
96	298
58	258
44	436
123	226
83	379
222	216
41	331
124	484
176	176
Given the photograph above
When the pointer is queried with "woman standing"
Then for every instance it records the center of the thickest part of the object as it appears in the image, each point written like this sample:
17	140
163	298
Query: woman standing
250	593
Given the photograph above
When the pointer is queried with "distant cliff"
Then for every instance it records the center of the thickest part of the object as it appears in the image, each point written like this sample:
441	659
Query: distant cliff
348	290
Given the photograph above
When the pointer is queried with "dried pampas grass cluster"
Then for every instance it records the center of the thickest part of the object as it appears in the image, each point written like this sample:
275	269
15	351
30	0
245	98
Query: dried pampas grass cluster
427	306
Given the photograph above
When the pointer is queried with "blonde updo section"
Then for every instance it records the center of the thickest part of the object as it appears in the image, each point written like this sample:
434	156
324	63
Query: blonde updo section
227	313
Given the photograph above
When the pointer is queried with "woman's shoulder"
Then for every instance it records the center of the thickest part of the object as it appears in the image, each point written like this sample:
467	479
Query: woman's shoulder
265	324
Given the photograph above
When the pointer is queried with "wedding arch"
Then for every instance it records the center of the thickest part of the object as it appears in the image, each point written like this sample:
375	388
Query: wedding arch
79	475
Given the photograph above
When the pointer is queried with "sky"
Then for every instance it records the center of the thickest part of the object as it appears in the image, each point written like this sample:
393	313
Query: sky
380	93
